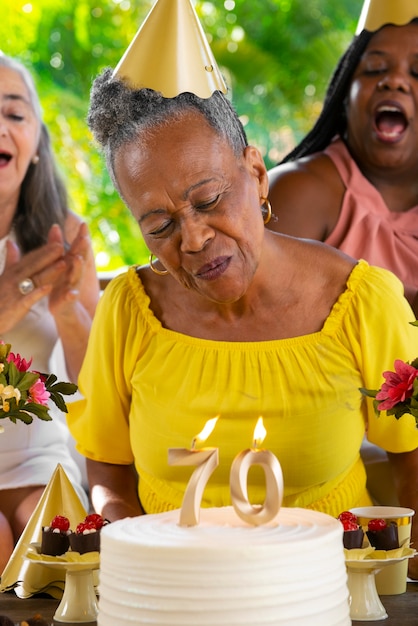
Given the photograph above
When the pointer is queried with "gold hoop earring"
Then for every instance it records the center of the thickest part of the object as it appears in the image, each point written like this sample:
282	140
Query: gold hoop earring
154	269
266	202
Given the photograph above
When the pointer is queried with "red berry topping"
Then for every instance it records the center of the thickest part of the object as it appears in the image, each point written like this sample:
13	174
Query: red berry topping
61	522
83	526
349	525
377	524
96	519
347	515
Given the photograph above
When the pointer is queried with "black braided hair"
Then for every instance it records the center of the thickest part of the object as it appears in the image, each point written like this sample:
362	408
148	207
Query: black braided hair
331	120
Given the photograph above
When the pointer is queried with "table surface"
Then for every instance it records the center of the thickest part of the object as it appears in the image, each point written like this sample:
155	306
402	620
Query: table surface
18	610
402	609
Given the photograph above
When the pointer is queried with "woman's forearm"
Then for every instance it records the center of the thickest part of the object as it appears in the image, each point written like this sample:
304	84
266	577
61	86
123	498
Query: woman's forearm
74	333
114	490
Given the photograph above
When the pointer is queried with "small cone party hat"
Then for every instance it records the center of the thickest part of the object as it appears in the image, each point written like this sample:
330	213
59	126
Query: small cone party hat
58	498
377	13
170	53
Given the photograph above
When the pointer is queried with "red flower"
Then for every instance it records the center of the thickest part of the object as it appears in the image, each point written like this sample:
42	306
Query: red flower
39	393
399	385
21	364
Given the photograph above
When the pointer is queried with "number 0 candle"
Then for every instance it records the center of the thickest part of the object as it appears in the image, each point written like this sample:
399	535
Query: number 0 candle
257	514
206	461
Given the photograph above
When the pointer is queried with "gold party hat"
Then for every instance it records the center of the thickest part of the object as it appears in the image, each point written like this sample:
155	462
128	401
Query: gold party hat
170	53
377	13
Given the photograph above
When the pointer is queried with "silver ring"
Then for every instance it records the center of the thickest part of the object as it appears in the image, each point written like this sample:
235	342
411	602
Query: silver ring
26	286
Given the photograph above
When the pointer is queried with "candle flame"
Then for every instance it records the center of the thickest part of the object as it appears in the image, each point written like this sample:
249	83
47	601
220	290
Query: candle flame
259	433
204	434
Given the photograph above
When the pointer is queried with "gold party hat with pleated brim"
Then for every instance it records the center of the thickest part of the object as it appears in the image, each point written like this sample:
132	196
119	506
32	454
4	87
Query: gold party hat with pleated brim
377	13
171	54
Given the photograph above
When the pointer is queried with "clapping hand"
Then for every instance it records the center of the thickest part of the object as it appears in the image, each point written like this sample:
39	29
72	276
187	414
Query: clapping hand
48	270
66	289
28	278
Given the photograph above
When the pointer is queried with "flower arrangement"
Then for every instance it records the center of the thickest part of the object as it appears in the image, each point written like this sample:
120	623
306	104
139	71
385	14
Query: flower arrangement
25	393
399	393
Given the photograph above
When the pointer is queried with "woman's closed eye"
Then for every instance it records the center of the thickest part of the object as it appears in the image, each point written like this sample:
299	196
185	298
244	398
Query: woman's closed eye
165	227
207	204
15	117
161	229
373	63
15	112
375	68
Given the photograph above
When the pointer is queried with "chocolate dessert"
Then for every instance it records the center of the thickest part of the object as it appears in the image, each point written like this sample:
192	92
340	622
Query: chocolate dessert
353	533
86	537
383	536
55	538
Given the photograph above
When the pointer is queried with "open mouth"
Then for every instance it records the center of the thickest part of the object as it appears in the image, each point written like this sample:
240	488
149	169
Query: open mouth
390	122
5	157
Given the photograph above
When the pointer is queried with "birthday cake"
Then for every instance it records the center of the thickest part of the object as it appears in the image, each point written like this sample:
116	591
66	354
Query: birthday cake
224	572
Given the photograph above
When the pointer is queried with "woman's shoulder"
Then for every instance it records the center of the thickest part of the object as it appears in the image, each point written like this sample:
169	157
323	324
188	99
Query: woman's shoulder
306	196
126	284
125	305
328	276
327	263
316	260
372	301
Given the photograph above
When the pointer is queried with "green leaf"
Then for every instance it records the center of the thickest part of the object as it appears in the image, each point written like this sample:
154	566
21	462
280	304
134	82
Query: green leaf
400	409
4	351
27	380
15	414
39	410
414	402
59	402
67	389
13	374
23	416
370	393
50	379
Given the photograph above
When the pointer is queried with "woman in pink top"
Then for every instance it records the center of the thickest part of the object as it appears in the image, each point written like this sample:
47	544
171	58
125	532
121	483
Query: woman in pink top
353	180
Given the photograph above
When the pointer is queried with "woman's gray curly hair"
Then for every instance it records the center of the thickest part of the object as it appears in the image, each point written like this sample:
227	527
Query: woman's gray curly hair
119	113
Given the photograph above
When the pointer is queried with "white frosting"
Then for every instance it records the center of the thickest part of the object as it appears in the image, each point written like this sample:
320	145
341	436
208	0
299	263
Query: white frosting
224	572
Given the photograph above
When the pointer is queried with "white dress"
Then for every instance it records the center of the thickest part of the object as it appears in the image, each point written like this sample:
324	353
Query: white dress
30	453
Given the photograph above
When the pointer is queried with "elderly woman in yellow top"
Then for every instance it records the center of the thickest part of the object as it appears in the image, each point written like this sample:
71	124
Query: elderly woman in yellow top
231	320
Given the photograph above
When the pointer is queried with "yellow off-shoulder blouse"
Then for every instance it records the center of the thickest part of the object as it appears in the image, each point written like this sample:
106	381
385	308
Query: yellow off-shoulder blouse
148	389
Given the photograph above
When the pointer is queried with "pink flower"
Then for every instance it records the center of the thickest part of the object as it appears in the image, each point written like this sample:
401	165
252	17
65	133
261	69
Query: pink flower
399	385
22	364
39	393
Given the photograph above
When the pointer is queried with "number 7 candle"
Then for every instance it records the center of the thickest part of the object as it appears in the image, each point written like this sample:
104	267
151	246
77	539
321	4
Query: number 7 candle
206	461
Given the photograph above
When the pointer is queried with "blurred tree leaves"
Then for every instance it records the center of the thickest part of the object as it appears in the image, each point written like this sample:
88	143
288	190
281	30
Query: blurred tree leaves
277	56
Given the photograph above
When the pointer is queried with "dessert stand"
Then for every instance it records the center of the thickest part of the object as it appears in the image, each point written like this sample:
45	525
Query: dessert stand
365	604
79	602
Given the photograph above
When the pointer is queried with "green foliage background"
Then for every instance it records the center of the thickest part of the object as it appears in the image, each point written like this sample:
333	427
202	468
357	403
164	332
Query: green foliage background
277	56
